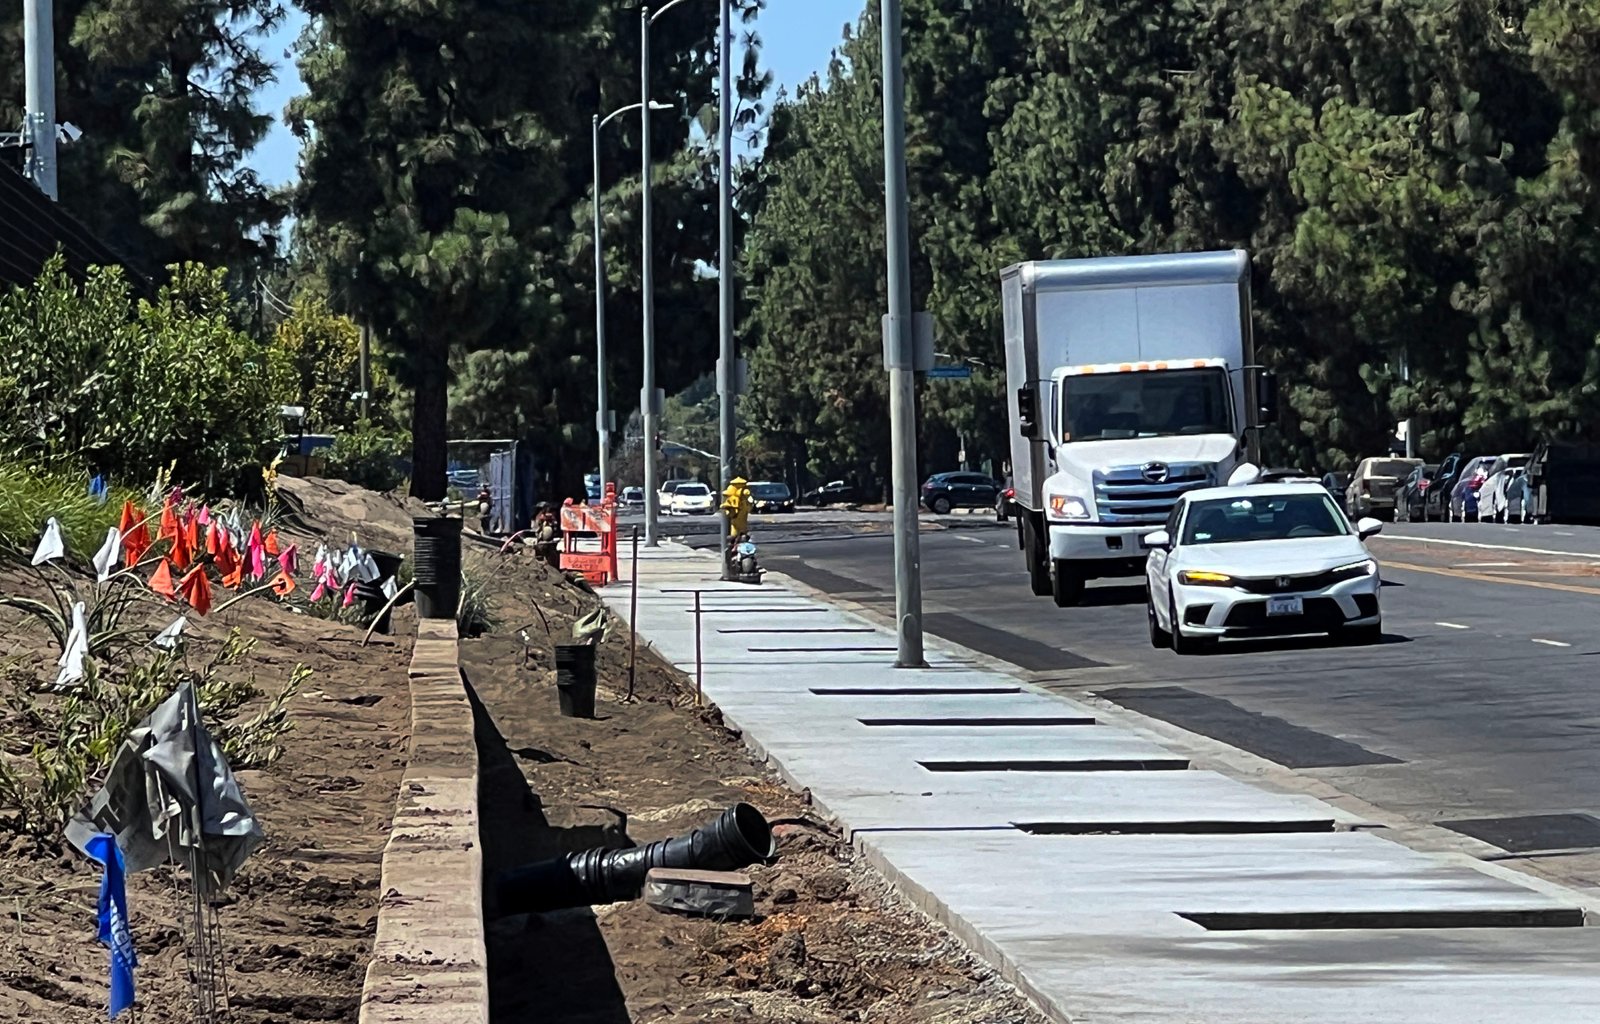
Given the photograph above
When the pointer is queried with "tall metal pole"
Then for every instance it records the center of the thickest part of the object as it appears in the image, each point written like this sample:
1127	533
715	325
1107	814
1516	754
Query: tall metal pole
602	423
39	54
365	361
902	380
728	375
646	285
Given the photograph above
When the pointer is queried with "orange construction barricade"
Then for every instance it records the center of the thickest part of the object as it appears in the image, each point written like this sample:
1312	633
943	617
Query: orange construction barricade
598	567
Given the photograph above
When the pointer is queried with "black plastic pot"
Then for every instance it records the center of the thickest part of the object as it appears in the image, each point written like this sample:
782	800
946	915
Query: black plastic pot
437	566
738	838
575	679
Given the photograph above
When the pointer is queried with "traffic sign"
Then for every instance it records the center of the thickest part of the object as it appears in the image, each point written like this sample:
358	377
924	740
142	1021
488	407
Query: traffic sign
950	373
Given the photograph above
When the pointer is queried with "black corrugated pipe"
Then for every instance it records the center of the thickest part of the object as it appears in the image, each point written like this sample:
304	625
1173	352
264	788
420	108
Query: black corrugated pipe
738	838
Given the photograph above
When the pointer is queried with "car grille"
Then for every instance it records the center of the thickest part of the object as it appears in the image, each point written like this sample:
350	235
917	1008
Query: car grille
1123	495
1321	613
1286	584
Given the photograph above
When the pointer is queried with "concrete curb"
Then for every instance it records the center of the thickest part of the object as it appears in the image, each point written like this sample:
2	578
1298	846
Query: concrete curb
428	960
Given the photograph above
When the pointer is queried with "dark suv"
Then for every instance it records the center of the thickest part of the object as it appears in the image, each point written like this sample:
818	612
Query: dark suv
945	491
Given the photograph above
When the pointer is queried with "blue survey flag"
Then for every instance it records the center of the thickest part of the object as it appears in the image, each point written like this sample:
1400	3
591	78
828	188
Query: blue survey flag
114	931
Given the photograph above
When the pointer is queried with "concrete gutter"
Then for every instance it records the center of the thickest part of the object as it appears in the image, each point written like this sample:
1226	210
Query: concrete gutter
428	961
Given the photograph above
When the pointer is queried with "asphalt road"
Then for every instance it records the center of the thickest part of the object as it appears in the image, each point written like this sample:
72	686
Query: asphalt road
1482	705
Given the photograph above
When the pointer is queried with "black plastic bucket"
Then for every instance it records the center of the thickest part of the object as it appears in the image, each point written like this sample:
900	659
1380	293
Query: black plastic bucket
436	566
575	679
373	600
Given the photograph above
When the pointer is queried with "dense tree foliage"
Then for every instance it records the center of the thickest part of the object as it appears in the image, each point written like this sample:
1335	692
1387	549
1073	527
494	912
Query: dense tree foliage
164	92
1415	181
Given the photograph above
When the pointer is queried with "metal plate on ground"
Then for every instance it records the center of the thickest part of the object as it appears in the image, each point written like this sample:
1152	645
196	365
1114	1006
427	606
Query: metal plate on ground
1262	735
1532	833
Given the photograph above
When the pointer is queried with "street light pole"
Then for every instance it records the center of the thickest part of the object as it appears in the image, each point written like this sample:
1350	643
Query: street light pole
647	396
728	383
601	425
902	375
39	101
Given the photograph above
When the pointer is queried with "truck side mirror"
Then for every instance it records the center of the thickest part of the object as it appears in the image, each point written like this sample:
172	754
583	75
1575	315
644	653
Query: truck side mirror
1267	397
1027	412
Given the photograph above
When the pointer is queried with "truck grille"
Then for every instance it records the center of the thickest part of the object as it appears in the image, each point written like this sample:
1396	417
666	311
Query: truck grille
1127	495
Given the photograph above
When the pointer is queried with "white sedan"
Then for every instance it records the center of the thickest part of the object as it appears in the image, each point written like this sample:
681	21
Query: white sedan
1261	560
692	499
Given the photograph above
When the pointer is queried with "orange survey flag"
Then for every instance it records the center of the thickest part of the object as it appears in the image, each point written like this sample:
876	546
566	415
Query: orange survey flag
169	523
182	554
228	563
272	544
191	537
213	540
135	534
161	581
283	584
197	590
233	579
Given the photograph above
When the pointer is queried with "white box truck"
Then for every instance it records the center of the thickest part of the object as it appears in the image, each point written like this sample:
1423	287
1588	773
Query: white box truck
1130	380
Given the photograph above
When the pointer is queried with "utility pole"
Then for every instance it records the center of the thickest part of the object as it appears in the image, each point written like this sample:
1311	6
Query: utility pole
900	347
39	131
647	395
727	368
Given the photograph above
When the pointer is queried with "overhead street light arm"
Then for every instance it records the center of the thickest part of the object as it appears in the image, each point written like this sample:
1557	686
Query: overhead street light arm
664	9
654	105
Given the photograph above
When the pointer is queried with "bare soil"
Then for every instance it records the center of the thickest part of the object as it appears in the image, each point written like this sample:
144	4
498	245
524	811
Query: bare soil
831	941
299	920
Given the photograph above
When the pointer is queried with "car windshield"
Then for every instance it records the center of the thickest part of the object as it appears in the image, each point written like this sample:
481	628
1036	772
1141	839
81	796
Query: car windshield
1268	517
670	486
770	492
692	491
1146	403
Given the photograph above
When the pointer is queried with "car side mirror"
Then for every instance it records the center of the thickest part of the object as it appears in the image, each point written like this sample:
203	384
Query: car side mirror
1368	527
1027	412
1160	539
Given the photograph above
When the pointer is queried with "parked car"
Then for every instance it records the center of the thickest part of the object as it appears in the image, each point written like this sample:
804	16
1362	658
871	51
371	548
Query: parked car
835	492
1411	497
771	496
945	491
1504	490
1436	503
1372	485
632	498
1464	493
664	496
693	498
1335	484
1260	560
1564	483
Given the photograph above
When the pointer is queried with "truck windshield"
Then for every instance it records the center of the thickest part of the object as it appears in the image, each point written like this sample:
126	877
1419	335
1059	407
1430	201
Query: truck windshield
1145	403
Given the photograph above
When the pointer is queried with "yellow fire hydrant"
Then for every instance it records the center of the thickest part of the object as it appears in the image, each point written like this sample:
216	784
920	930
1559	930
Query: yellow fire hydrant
736	503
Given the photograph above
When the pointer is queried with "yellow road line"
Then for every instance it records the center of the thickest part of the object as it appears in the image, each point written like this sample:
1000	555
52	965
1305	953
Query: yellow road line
1484	577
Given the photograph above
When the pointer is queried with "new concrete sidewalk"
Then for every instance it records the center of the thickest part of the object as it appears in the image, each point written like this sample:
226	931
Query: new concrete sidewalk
1091	864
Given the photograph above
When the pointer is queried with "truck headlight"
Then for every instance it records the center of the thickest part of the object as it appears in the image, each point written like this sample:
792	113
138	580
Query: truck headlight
1067	506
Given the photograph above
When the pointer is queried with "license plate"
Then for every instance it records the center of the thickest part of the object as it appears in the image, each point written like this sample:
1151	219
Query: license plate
1285	606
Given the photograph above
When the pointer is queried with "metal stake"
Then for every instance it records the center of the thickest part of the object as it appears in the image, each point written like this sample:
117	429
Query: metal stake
698	666
633	614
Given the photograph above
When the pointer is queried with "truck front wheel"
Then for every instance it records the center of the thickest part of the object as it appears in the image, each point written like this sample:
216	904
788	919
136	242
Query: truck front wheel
1066	585
1037	553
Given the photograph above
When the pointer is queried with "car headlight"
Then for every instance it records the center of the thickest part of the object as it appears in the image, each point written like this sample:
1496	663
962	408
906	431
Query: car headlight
1355	570
1068	506
1204	578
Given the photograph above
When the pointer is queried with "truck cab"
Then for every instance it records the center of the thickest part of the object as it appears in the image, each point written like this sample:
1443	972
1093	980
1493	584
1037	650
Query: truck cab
1131	383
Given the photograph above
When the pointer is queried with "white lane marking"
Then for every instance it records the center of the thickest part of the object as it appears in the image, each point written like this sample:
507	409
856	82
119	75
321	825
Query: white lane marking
1485	565
1550	643
1452	625
1490	547
1564	533
969	540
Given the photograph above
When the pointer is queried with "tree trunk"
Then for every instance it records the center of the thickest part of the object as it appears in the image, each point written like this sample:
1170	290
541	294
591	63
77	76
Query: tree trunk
429	426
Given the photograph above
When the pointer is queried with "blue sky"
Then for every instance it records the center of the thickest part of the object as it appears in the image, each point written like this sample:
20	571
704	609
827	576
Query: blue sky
797	37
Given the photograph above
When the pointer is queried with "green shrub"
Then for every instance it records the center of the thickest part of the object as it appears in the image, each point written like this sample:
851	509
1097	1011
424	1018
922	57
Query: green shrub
28	497
91	378
369	457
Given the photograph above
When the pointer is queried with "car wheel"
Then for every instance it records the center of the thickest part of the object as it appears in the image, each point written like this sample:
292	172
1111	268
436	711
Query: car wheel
1158	636
1180	644
1065	586
941	506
